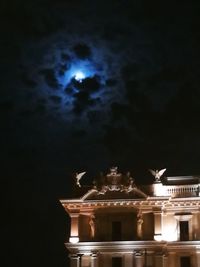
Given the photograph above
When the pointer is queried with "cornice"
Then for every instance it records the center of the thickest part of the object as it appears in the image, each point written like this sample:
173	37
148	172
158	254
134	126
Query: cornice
165	203
121	246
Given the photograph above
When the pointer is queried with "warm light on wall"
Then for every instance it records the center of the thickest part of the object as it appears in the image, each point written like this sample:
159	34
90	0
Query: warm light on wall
74	239
160	190
87	253
169	234
158	237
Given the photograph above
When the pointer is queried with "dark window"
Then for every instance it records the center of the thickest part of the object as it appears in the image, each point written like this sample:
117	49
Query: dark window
116	231
184	231
185	262
116	262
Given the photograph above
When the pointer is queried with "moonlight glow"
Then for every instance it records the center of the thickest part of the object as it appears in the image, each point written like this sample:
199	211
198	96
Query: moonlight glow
79	70
79	76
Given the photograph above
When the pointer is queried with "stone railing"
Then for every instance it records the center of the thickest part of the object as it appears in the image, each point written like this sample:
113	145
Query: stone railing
182	190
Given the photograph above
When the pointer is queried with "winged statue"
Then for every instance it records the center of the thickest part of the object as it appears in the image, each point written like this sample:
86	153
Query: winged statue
157	174
78	178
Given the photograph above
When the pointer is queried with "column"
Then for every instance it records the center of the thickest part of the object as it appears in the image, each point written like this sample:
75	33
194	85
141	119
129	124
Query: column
94	260
139	261
157	225
85	260
158	260
74	233
129	260
74	260
198	258
165	260
172	259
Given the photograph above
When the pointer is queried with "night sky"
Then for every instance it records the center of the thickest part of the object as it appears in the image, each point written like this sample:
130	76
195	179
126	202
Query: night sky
86	85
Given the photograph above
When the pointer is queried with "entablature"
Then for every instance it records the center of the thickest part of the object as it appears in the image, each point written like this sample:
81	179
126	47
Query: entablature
127	246
146	205
188	204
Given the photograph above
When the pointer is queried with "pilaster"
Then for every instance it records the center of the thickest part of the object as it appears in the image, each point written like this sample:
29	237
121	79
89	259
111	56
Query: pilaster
158	260
165	260
157	225
139	259
74	232
74	260
198	258
172	259
94	260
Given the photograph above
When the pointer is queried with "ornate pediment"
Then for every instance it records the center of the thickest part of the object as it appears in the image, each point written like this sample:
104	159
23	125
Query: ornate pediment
115	185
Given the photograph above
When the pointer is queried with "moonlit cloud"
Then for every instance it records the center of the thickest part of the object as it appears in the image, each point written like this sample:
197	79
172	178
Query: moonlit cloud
133	69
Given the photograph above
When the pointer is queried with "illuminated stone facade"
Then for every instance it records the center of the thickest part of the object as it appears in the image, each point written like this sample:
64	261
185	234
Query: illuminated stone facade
115	223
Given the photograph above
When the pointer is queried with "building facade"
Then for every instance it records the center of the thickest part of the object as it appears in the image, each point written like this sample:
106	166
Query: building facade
116	223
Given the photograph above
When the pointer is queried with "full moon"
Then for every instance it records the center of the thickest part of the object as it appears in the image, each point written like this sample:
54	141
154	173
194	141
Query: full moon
79	76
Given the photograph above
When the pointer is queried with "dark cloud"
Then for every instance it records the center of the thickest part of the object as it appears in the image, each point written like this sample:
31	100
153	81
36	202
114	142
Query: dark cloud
111	82
140	70
90	84
50	78
62	69
82	51
69	90
82	101
55	99
94	116
65	57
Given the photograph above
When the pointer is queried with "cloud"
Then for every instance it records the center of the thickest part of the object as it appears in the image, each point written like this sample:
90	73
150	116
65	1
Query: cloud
94	117
82	101
62	68
55	99
50	78
111	82
89	84
82	51
133	61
